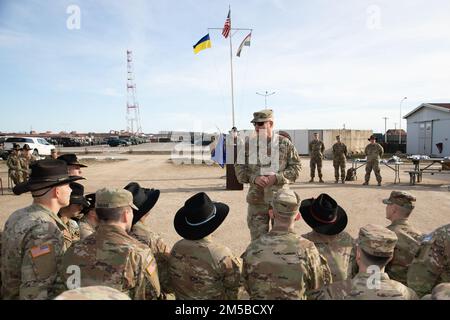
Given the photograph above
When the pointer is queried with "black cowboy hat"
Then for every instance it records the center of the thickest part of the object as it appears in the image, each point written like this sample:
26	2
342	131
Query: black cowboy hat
324	215
143	198
199	217
26	147
372	137
77	195
71	160
45	174
16	146
90	198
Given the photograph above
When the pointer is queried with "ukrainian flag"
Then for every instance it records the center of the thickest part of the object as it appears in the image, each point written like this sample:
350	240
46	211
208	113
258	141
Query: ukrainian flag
203	44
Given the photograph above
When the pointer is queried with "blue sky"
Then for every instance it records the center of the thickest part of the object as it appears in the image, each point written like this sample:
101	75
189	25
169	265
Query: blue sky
330	62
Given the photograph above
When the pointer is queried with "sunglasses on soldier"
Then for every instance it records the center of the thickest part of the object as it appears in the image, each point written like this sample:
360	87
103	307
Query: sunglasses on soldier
259	124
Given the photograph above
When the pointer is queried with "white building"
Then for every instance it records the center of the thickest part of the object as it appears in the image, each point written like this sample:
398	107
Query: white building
428	127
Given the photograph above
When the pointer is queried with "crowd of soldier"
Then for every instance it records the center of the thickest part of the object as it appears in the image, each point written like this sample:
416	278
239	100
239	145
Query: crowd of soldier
45	252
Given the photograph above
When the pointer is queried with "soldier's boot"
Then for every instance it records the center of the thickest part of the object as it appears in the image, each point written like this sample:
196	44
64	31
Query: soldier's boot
343	180
366	183
311	180
379	183
320	180
337	181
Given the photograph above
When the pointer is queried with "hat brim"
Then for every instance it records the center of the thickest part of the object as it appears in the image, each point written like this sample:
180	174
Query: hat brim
77	164
261	120
28	187
199	232
79	200
328	229
152	198
387	201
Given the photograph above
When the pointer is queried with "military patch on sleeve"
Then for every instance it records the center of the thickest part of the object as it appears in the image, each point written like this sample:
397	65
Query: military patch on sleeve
151	266
40	250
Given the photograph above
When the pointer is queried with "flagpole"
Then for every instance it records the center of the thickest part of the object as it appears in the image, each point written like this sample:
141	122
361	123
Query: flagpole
232	85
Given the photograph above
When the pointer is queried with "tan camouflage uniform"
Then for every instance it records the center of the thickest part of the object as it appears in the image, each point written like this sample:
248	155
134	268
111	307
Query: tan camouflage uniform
316	149
374	152
25	162
73	235
141	232
440	292
339	160
338	251
86	229
431	266
15	168
33	246
204	270
258	198
112	258
376	241
281	264
93	293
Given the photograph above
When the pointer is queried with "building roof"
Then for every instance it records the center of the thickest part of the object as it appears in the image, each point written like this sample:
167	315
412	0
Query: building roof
437	106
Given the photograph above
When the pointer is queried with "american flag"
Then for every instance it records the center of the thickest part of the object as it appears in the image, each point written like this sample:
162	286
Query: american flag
227	26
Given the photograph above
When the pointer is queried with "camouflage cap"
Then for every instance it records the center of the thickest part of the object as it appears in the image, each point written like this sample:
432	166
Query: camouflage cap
262	116
441	292
401	198
93	293
286	202
377	240
113	198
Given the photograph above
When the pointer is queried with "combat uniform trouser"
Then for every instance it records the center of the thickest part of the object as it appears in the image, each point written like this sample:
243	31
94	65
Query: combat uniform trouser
375	166
258	220
16	176
312	163
339	163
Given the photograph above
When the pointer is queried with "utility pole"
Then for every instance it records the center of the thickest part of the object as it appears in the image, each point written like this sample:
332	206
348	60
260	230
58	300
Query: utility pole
385	128
400	126
265	95
395	125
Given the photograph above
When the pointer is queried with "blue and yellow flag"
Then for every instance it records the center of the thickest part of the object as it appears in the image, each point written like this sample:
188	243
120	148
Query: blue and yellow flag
203	44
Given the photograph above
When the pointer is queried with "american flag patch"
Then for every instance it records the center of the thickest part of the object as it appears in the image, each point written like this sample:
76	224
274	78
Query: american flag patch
151	266
40	250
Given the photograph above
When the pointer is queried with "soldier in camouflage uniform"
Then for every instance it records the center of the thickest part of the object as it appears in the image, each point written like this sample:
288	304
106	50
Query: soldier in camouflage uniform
398	209
440	292
73	164
14	164
73	210
145	199
374	151
339	159
93	293
281	264
26	159
431	265
265	179
328	221
375	248
200	268
89	222
33	239
110	256
316	149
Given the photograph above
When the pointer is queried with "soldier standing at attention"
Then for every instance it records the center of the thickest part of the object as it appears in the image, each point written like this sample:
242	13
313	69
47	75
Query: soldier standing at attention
200	268
280	264
398	209
328	221
375	248
374	151
316	149
265	179
33	240
14	164
110	256
339	159
431	266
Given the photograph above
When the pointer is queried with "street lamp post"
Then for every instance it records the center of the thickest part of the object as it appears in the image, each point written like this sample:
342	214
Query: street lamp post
400	125
265	95
385	128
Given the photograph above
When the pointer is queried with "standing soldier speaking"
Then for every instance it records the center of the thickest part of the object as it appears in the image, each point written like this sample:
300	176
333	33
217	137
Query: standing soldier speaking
264	179
339	159
374	151
316	149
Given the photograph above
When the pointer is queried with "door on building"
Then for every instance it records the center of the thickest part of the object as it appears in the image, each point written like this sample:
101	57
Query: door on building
425	137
